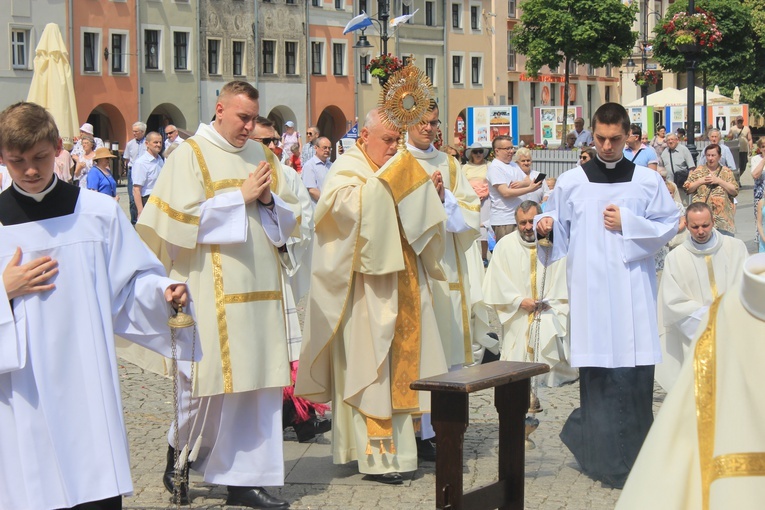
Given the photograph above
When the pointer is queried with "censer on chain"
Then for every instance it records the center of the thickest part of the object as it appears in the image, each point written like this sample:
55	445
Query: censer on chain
180	320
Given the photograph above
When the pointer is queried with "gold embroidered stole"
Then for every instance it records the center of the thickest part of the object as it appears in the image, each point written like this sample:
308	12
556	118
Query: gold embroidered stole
535	297
705	372
711	273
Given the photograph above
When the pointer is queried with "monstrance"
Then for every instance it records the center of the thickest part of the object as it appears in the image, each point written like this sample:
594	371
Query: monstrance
405	99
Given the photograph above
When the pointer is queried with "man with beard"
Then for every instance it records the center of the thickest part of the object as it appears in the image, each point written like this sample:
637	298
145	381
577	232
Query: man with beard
530	299
609	217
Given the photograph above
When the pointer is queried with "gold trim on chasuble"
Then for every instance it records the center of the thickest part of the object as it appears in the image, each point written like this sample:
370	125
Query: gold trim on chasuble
173	213
705	366
405	182
535	297
221	299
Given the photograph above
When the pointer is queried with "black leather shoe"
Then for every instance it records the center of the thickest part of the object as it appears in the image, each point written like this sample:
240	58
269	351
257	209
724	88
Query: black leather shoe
387	478
253	497
426	450
168	479
309	429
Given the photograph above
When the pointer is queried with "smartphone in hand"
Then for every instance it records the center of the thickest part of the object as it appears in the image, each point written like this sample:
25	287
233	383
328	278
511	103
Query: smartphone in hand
540	178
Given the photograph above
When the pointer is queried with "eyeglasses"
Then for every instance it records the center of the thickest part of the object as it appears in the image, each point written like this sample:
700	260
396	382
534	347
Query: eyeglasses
504	148
433	123
268	141
309	133
168	133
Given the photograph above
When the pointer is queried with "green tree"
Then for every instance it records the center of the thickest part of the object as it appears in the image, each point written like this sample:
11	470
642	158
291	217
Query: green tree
733	61
594	32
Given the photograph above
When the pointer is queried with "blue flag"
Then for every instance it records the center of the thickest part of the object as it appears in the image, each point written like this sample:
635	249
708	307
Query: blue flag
360	22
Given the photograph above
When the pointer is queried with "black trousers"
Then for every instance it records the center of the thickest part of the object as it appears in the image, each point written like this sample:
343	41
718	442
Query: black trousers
605	434
114	503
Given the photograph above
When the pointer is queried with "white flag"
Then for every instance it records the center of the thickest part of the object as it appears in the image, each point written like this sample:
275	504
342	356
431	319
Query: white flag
402	19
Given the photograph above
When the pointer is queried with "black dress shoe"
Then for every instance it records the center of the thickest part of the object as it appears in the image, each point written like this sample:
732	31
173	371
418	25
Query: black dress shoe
426	450
253	497
387	478
168	479
309	429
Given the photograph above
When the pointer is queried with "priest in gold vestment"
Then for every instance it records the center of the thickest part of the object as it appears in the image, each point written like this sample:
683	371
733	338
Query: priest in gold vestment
706	449
463	318
370	325
220	216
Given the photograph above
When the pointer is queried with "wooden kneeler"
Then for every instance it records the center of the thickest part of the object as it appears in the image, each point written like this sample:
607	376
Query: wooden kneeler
450	418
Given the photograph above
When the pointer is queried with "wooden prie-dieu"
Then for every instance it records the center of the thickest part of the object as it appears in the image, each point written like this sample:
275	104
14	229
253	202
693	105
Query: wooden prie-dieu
450	417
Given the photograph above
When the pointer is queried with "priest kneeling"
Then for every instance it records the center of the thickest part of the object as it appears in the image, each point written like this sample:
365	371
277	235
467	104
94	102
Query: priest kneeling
63	442
695	273
531	300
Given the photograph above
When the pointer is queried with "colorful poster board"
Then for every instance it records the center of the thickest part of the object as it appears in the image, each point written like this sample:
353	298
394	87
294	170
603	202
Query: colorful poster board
548	123
724	116
643	117
676	118
484	123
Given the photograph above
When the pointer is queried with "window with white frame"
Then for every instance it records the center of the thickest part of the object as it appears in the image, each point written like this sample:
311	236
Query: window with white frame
430	69
213	56
119	49
511	8
338	59
475	20
339	5
269	56
572	65
151	49
290	58
608	93
430	14
237	58
457	69
90	53
315	3
510	53
476	70
406	9
456	15
363	72
363	6
290	2
181	51
317	57
20	48
609	69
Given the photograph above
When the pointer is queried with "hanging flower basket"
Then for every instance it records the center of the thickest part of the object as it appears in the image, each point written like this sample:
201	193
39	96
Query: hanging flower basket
647	77
383	67
694	32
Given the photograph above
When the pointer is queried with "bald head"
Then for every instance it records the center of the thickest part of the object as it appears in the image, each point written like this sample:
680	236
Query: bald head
377	139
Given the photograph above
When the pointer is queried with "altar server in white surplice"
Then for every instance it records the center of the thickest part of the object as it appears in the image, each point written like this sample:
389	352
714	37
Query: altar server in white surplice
705	266
74	274
222	212
707	448
530	299
610	218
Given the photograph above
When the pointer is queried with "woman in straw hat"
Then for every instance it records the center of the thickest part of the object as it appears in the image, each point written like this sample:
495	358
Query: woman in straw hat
100	177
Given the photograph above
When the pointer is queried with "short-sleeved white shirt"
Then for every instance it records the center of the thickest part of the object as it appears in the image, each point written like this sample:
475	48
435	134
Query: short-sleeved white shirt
503	209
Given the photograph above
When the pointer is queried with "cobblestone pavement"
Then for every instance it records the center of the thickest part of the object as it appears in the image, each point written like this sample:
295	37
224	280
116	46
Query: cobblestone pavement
553	480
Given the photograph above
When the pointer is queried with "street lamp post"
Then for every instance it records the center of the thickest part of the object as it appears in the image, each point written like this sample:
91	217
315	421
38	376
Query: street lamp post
690	65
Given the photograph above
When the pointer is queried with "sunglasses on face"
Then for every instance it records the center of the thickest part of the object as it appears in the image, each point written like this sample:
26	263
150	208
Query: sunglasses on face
268	141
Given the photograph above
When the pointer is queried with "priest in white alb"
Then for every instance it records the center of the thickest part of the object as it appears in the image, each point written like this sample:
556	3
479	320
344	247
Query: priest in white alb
703	267
74	274
706	450
531	299
610	217
221	215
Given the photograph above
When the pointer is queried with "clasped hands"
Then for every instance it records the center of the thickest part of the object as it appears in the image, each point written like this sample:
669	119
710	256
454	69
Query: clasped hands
258	185
531	306
612	219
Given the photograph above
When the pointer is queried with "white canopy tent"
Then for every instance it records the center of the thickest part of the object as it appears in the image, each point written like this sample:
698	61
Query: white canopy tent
674	97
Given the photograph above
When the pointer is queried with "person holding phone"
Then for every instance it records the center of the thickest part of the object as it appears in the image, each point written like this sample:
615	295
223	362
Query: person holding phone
540	194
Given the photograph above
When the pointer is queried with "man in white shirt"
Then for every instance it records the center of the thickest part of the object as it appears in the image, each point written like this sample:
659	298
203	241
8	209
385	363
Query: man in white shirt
507	184
146	170
311	135
172	136
677	161
316	169
583	136
133	151
695	273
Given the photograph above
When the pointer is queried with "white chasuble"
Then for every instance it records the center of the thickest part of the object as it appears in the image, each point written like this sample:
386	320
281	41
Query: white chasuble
509	280
463	318
611	275
231	264
63	439
706	449
694	276
379	236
